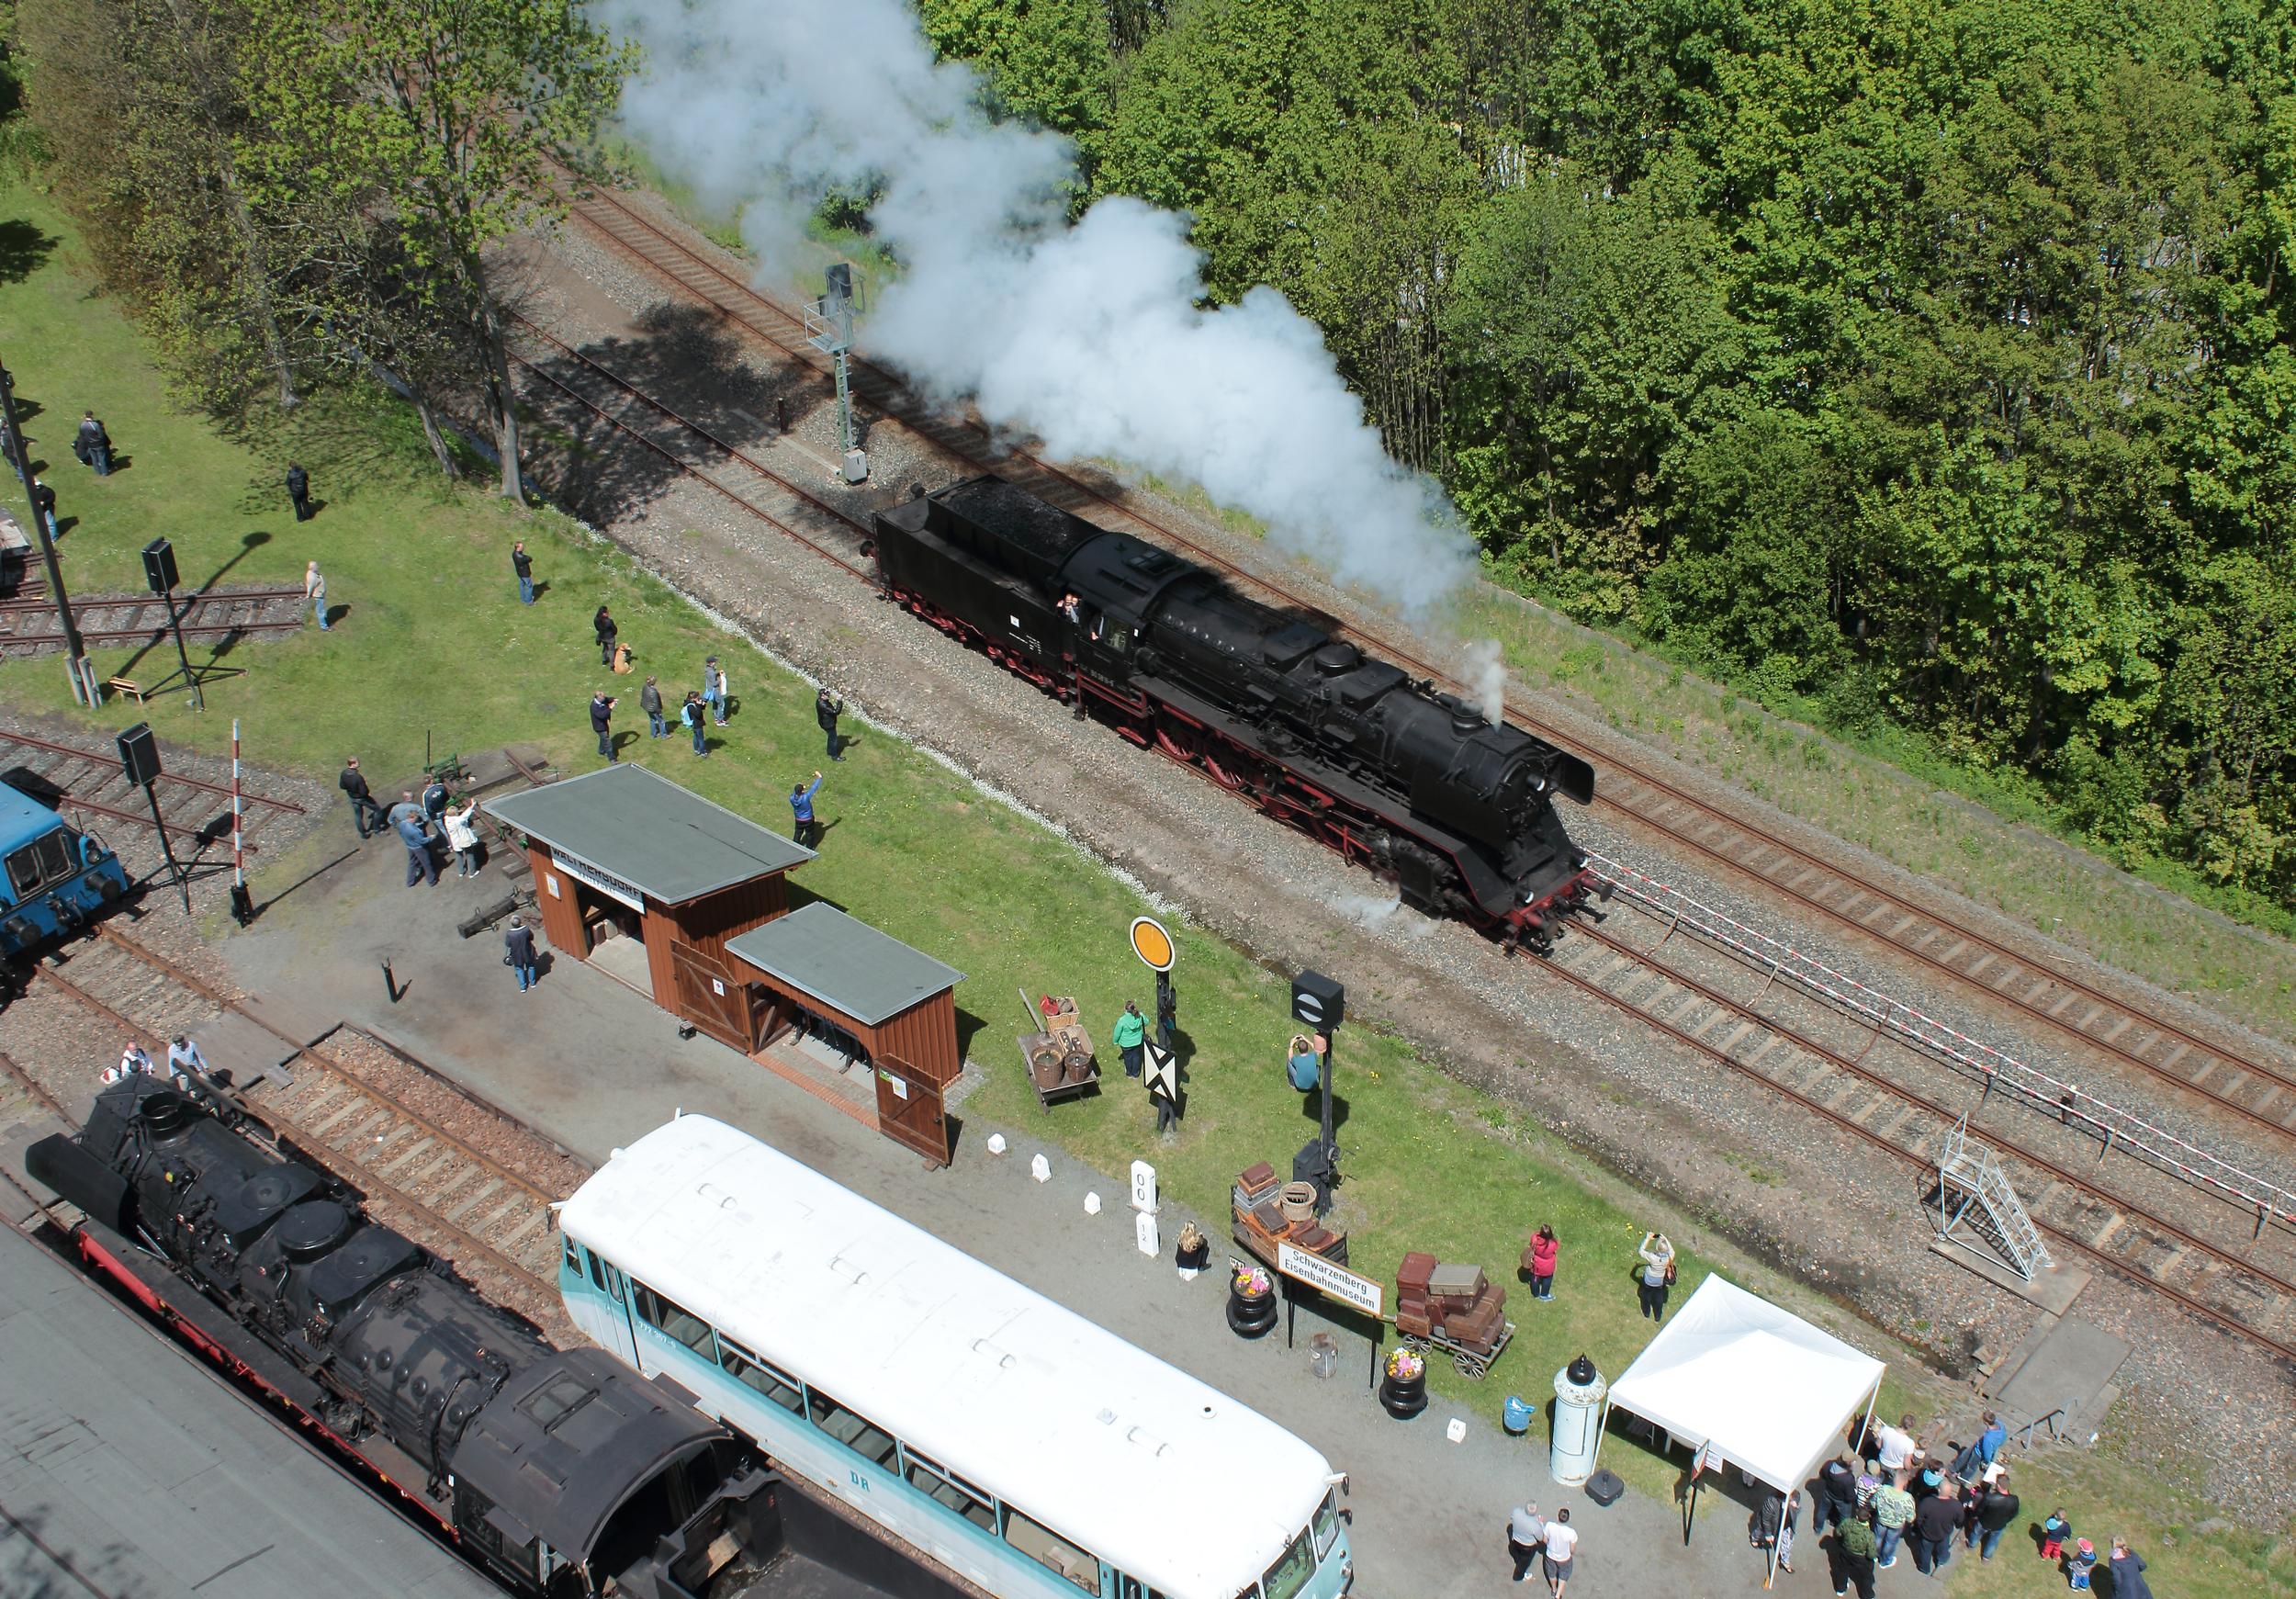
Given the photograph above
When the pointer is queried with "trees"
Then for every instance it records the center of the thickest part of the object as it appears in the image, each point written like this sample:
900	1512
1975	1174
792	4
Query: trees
465	120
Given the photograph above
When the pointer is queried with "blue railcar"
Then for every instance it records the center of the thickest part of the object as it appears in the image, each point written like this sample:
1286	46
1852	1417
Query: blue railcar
55	880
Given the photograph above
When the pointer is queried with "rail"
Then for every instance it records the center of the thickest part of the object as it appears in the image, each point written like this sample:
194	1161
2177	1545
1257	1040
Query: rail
1993	1068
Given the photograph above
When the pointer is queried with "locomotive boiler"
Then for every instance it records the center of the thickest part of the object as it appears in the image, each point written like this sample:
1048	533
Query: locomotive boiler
559	1473
1415	783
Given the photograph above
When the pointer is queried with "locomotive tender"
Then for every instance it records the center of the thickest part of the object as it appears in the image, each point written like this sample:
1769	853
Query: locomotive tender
558	1472
1416	785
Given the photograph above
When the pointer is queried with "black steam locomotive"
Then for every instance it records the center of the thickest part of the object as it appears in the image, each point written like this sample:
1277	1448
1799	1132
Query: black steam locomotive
559	1473
1416	785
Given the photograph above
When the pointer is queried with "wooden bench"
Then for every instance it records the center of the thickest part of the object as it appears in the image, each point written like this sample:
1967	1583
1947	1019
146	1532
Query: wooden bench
127	686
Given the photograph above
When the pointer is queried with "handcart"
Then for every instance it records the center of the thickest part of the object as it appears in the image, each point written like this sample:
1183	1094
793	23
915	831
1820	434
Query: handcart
1470	1361
1058	1059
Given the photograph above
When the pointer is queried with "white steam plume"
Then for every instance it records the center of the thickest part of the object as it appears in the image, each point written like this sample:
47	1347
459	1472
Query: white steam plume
1089	337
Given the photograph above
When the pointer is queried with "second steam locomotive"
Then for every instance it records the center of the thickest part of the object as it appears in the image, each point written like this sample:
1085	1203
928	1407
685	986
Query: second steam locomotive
1415	783
562	1473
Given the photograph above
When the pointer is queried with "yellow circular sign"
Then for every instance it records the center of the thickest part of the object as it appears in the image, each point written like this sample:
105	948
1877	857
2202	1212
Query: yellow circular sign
1152	943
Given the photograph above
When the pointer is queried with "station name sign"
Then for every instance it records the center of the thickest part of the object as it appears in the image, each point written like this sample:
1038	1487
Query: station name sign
1319	1273
604	883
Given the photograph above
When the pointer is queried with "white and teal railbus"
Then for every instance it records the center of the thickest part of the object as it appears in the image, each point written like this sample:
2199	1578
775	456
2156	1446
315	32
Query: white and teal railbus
1031	1451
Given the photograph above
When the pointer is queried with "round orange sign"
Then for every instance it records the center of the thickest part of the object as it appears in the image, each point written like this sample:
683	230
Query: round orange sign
1152	943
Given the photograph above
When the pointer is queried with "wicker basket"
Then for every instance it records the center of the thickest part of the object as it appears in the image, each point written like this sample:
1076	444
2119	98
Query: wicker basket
1299	1202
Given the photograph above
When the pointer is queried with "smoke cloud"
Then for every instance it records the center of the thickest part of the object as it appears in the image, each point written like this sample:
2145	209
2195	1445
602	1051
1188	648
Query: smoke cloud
1090	336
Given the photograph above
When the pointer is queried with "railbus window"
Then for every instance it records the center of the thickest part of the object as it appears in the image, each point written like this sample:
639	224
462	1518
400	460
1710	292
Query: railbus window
764	1377
598	1270
672	1318
574	1257
1134	1588
44	861
1293	1569
949	1489
1052	1551
1326	1524
855	1431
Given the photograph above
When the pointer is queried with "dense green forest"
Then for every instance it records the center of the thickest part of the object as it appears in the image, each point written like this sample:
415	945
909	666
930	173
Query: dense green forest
1925	364
1930	360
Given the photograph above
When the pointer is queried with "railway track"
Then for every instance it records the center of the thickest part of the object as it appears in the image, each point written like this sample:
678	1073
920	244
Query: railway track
427	1168
28	624
2221	1078
87	781
2223	1075
2246	1286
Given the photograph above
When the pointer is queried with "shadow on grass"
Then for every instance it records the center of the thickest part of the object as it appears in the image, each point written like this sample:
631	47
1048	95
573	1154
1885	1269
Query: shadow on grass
24	249
680	356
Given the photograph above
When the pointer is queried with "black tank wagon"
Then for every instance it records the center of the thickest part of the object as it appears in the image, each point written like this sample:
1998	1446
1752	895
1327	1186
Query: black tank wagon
1414	783
560	1472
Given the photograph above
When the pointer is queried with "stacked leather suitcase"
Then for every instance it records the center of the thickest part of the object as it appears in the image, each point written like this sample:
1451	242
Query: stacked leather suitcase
1456	1303
1258	1210
1411	1295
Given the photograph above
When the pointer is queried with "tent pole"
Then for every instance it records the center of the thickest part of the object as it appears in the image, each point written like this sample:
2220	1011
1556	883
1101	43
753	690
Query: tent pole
1772	1577
1865	1430
1601	1427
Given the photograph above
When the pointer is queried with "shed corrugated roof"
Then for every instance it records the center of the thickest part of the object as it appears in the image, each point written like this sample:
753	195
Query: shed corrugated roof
647	830
847	964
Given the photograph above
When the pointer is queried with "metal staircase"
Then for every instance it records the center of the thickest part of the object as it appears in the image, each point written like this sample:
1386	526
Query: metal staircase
1968	1175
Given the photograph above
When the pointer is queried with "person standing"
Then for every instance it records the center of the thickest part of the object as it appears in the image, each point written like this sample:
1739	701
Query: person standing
713	690
2054	1532
518	951
299	487
1526	1537
1893	1513
1996	1508
1850	1557
44	502
602	723
1127	1034
434	801
315	591
1836	1492
604	627
522	565
1774	1525
407	820
1656	1274
1562	1546
2128	1573
1933	1526
365	815
463	838
2079	1566
186	1064
694	714
1544	1251
809	831
650	702
1894	1449
92	445
826	709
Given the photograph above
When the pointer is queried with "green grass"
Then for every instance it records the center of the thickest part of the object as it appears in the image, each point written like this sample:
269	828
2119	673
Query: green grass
435	642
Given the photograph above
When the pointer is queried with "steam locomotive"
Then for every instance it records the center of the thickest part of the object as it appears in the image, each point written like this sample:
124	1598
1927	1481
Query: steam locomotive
558	1472
1416	785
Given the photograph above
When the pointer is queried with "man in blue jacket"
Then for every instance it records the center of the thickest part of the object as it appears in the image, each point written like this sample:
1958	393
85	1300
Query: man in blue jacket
809	831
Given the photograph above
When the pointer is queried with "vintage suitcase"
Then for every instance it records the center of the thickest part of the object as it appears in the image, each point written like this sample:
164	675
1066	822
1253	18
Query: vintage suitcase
1414	1273
1465	1281
1254	1179
1414	1322
1269	1218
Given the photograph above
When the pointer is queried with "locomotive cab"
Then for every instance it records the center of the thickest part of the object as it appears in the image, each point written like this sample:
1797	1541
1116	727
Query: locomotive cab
57	879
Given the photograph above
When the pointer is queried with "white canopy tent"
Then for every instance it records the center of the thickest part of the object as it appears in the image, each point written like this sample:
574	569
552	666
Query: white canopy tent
1735	1375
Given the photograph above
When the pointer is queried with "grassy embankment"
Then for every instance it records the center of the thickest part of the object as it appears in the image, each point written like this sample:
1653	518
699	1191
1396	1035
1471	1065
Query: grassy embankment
433	640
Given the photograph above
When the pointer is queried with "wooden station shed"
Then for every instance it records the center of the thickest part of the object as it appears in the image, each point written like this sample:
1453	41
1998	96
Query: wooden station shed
895	1005
621	852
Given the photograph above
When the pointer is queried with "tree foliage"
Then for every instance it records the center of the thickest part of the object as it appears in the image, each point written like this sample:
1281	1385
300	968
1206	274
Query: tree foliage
1932	360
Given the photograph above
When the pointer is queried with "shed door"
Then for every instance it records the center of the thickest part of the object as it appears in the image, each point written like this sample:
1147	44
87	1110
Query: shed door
709	997
908	1109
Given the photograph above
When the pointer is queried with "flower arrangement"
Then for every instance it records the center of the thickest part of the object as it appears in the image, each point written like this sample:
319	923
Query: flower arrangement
1405	1365
1252	1282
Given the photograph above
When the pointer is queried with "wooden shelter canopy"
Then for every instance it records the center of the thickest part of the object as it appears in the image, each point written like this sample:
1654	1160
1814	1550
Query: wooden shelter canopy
849	966
647	833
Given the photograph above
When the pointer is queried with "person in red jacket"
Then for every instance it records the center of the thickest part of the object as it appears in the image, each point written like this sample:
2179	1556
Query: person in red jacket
1544	1249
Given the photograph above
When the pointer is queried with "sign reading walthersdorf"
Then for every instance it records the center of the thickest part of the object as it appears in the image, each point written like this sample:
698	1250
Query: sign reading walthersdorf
606	882
1335	1280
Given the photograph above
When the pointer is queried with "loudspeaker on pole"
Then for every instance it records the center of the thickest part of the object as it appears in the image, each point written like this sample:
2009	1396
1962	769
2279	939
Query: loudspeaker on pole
140	753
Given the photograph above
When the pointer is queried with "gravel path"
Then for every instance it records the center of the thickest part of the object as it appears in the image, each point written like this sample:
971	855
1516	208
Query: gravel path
1778	1183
